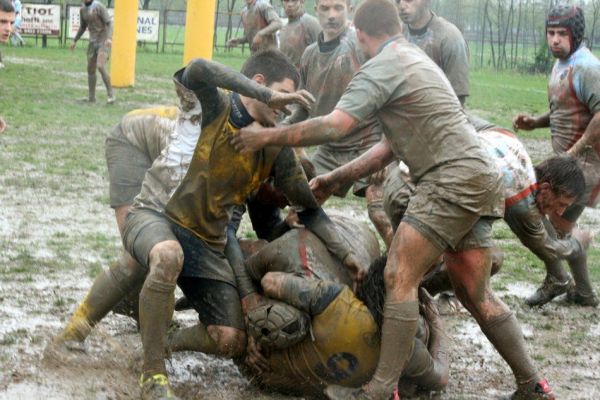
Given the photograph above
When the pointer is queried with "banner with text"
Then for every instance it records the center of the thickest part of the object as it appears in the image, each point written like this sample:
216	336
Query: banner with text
40	19
148	24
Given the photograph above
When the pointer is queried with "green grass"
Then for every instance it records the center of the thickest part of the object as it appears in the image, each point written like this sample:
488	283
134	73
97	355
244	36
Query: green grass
55	145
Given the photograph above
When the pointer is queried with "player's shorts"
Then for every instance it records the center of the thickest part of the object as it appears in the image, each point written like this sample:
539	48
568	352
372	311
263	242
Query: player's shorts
127	166
439	216
145	228
99	52
591	174
326	160
217	303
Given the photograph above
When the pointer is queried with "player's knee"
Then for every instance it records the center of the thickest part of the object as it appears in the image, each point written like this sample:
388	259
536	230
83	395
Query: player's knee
127	272
166	260
91	69
231	342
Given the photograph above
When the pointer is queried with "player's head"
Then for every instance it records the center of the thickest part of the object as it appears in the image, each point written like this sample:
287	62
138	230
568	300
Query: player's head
7	19
277	325
412	11
273	69
560	183
375	19
293	8
88	2
332	16
371	290
565	28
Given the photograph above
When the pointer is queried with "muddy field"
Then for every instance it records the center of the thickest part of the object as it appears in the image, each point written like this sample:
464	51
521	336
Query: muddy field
39	226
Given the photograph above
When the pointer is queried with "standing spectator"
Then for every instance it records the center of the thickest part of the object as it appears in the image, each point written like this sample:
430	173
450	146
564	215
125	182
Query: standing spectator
94	16
261	22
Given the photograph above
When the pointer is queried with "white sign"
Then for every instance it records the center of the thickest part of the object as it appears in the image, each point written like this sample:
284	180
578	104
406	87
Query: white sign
40	19
148	24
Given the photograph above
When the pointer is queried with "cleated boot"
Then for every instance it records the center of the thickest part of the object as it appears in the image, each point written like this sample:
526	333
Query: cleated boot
586	300
534	391
111	99
156	388
548	291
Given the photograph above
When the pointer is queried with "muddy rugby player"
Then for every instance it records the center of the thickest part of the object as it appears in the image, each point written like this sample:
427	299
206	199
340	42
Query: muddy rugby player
574	121
261	23
457	196
326	68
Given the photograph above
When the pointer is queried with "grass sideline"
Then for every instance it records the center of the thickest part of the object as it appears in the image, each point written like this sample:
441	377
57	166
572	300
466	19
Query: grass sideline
57	143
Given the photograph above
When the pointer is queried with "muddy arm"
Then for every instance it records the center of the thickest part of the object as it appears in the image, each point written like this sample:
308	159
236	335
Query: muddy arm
311	296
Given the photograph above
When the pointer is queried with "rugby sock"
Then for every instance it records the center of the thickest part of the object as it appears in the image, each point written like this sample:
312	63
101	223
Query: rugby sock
581	276
157	301
505	334
555	271
106	80
425	371
110	287
400	322
92	86
193	338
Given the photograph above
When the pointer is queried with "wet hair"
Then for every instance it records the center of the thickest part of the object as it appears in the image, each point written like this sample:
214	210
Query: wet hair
6	6
571	18
273	65
563	173
377	18
371	290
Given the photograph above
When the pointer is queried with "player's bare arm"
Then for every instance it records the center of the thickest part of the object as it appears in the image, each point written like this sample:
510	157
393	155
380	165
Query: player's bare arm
314	131
590	137
205	76
373	160
528	122
290	179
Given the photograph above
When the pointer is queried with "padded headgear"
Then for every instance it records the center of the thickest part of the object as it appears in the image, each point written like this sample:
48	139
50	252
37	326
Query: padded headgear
277	325
570	17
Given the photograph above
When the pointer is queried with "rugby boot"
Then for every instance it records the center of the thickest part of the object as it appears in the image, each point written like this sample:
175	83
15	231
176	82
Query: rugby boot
586	300
550	289
156	388
534	391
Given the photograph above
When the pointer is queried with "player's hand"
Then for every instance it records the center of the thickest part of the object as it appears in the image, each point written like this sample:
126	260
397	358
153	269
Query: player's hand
292	219
2	125
249	139
108	43
72	47
355	268
257	41
255	358
525	122
279	100
323	187
232	42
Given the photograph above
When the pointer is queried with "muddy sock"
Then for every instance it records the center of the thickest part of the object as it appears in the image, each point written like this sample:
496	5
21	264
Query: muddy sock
92	86
555	271
110	287
194	338
397	340
157	301
106	79
505	334
579	269
424	371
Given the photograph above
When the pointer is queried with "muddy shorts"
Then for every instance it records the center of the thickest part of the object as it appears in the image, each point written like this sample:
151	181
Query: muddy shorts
439	214
217	303
146	228
326	160
127	166
591	174
98	53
